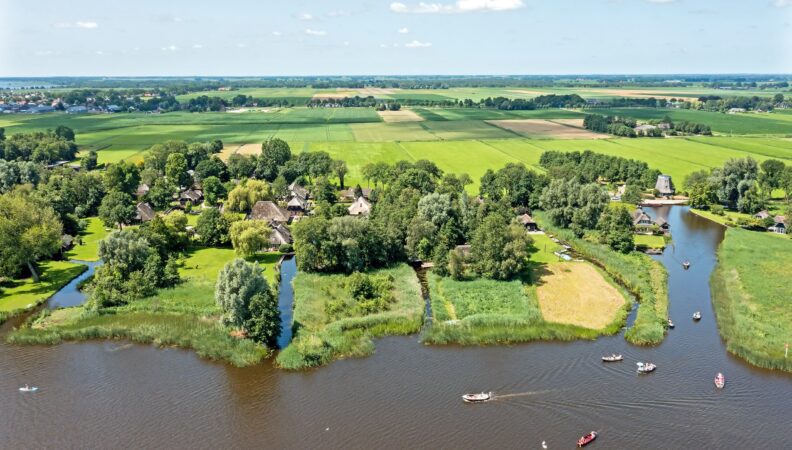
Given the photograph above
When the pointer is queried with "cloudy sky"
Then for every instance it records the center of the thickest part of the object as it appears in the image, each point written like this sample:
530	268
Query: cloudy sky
327	37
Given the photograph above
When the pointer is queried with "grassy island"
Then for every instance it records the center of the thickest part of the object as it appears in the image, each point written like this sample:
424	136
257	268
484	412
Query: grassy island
328	325
751	296
185	316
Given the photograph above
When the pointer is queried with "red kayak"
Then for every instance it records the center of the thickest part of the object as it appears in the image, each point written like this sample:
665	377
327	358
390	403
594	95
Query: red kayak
587	439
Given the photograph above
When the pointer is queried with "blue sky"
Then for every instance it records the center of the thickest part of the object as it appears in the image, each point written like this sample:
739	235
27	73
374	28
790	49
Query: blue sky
342	37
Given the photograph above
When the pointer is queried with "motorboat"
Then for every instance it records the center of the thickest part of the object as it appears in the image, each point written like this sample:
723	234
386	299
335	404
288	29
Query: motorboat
670	324
646	367
720	381
686	265
477	398
27	388
612	358
587	439
697	315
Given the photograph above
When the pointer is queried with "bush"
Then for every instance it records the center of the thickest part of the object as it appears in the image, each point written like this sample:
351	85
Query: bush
286	248
718	210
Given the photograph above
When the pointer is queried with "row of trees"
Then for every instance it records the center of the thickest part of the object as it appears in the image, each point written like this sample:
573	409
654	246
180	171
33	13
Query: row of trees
39	147
588	167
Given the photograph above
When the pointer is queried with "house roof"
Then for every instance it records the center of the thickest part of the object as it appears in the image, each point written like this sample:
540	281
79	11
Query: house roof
145	212
525	219
350	193
280	235
191	194
297	189
763	214
360	207
269	211
142	190
640	216
297	202
779	219
664	184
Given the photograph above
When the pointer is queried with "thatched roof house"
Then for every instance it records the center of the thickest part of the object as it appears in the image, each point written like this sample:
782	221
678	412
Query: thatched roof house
349	194
664	185
145	212
295	189
268	211
142	190
297	203
280	235
361	207
528	222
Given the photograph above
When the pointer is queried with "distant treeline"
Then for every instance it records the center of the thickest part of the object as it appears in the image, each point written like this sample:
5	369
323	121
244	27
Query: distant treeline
625	126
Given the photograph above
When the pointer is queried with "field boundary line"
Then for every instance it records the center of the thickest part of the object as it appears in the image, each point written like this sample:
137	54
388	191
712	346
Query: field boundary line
407	151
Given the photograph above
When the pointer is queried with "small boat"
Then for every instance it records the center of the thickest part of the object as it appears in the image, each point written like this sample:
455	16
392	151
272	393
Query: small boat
670	324
587	439
477	398
27	388
646	367
697	315
720	381
686	265
612	358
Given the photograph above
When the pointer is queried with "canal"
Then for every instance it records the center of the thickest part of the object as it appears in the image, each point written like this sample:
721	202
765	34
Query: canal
407	395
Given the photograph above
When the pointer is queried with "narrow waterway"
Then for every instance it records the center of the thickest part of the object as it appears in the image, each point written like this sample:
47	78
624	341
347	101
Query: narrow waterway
115	395
288	269
70	294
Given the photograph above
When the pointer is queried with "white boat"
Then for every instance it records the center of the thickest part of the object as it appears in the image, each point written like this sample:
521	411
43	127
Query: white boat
720	381
612	358
27	388
697	315
646	367
670	324
477	398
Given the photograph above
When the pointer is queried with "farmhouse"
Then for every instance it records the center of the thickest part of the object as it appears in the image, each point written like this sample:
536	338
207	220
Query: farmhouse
528	222
779	225
192	196
736	110
145	212
297	204
268	211
295	189
280	235
142	190
644	128
664	186
644	224
361	207
763	214
350	195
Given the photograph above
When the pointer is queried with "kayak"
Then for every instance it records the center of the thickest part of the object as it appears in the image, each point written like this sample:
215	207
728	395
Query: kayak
612	358
720	381
28	389
587	439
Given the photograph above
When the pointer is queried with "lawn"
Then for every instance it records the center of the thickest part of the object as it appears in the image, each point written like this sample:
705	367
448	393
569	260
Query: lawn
649	241
24	293
89	249
318	339
751	294
184	316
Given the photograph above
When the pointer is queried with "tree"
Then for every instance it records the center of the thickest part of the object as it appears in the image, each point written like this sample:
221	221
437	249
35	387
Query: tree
632	194
161	193
771	176
249	236
212	167
456	264
245	195
274	154
122	177
241	166
264	323
499	250
29	231
616	229
64	132
324	191
734	179
570	205
237	283
117	209
89	161
213	190
127	250
212	227
340	170
176	170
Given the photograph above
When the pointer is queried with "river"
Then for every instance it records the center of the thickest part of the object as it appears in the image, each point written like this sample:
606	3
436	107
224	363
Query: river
115	395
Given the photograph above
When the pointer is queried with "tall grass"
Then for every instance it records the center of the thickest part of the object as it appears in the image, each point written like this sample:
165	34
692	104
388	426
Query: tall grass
318	340
751	295
644	277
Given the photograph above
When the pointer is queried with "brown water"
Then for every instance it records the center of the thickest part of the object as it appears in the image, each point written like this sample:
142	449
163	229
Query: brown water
115	395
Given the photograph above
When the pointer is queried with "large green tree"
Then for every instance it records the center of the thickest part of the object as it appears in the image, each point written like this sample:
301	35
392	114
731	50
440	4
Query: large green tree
616	229
117	209
499	250
274	154
176	170
123	177
29	231
247	301
249	236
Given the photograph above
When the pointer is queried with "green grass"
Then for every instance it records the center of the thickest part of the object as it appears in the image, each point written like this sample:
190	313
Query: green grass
319	340
756	124
649	241
185	316
751	294
543	249
22	294
89	250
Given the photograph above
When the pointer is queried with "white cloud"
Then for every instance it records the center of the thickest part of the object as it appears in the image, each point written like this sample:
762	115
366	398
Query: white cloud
276	33
311	32
782	3
197	46
170	48
99	52
417	44
306	16
403	30
460	6
85	24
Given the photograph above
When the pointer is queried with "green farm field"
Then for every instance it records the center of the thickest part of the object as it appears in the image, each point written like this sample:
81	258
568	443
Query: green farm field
457	139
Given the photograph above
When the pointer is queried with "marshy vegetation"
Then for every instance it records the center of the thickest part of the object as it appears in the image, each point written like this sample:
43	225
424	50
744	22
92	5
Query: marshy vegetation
751	294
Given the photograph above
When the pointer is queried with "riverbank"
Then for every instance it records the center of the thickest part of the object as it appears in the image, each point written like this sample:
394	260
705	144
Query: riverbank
751	294
19	296
483	311
185	316
327	328
644	277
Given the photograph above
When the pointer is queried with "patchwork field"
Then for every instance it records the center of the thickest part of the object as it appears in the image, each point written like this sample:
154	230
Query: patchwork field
402	115
239	149
578	294
539	128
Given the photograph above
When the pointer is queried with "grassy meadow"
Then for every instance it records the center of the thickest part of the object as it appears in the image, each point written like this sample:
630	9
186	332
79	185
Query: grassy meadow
23	294
184	316
751	294
320	339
